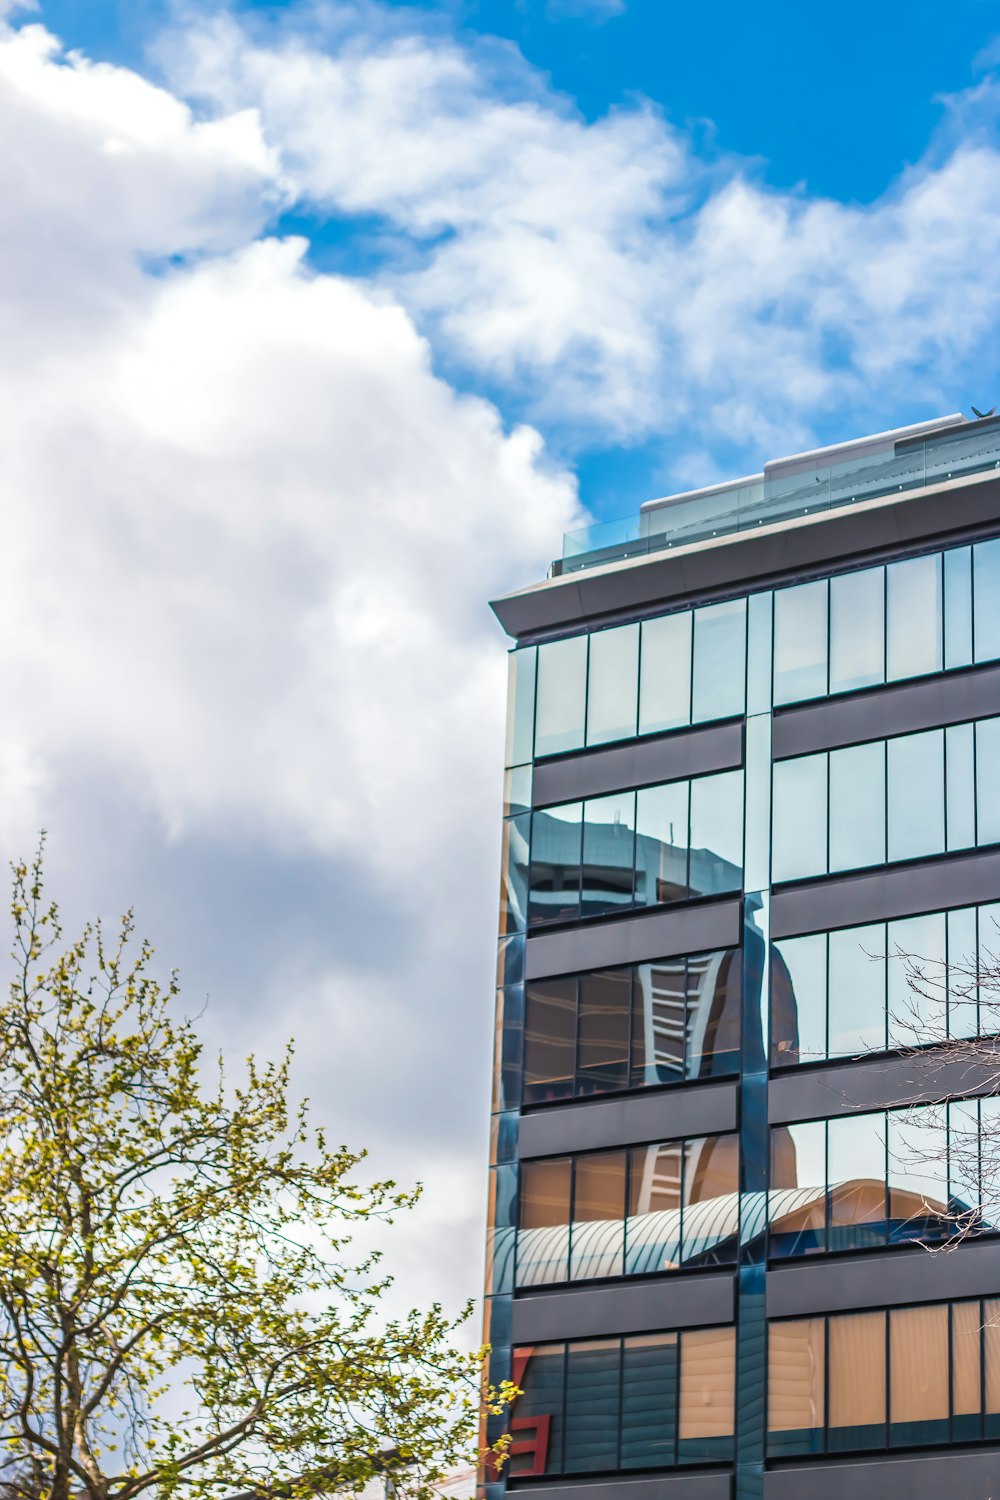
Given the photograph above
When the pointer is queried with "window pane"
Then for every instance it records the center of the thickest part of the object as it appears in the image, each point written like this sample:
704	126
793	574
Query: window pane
857	990
915	617
856	1176
658	996
708	1370
720	644
562	696
987	781
960	803
857	806
918	1366
711	1227
799	818
918	1174
592	1388
537	1414
962	973
918	997
665	674
605	1002
713	1018
543	1235
798	1000
958	607
916	794
798	1183
661	843
857	1381
653	1232
649	1401
800	642
796	1387
608	853
857	630
514	873
991	1366
966	1372
598	1242
716	834
549	1040
986	599
612	684
520	706
555	864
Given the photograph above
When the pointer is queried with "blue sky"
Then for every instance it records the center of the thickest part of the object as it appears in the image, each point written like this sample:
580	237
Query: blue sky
319	325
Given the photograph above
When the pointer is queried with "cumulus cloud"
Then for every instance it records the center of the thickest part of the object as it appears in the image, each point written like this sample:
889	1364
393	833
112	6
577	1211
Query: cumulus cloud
249	538
607	271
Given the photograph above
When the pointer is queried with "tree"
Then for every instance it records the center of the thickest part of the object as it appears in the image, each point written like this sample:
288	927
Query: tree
179	1310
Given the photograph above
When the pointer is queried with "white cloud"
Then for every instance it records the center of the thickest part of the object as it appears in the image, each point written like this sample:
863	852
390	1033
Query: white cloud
597	11
603	268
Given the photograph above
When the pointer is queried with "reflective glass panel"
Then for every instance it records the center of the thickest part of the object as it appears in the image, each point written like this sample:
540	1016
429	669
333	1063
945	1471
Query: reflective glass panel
800	645
653	1232
799	818
661	843
603	1056
798	1189
549	1040
612	684
986	599
537	1414
916	794
988	781
658	998
598	1243
857	1381
960	800
918	1364
856	1175
798	1000
543	1235
665	674
966	1373
857	990
716	836
562	695
962	972
593	1384
796	1386
958	607
918	990
649	1401
608	853
857	806
708	1388
918	1174
555	863
711	1201
514	874
713	1013
991	1367
520	706
915	616
857	630
720	638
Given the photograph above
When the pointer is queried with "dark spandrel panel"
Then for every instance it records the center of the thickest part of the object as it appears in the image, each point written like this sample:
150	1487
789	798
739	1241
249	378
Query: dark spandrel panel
658	1022
550	1040
608	853
592	1406
603	1045
556	848
649	1402
714	1006
537	1415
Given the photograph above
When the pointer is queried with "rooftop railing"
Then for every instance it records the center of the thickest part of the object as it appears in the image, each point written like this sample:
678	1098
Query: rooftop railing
786	492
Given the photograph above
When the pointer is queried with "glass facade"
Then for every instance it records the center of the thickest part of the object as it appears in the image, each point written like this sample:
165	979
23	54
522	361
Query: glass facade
753	1022
901	1377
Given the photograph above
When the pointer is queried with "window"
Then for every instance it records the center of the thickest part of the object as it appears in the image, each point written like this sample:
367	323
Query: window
857	630
665	674
799	818
612	684
560	709
720	638
915	617
800	642
651	1401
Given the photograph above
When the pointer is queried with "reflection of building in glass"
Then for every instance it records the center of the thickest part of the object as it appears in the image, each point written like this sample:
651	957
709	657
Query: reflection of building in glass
751	757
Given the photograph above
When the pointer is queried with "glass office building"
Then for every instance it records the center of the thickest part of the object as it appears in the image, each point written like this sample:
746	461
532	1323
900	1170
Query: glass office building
753	760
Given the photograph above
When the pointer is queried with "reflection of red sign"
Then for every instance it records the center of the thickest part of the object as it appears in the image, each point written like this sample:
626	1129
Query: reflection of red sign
537	1445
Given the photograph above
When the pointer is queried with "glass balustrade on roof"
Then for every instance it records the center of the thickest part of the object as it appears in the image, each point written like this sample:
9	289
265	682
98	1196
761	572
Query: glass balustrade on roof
790	489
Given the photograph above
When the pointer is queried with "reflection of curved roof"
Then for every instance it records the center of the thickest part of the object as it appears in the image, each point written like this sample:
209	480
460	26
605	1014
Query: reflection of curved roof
655	1240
